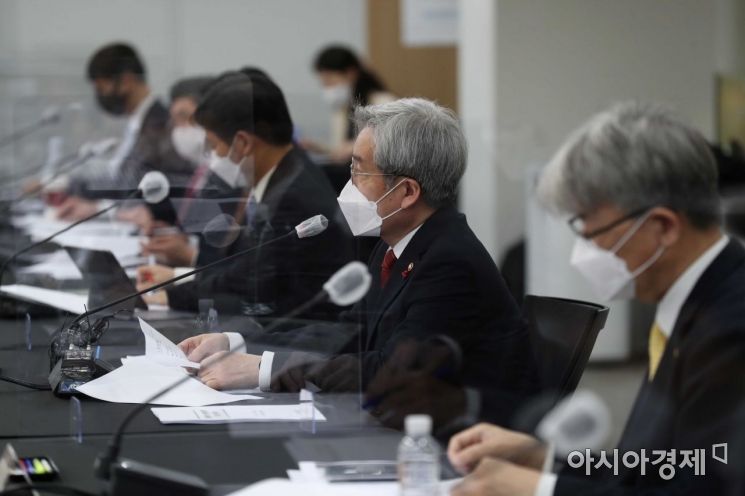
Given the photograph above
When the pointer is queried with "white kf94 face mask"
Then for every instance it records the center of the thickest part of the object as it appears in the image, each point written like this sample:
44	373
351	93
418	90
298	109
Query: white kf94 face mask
226	169
337	96
189	142
606	272
362	214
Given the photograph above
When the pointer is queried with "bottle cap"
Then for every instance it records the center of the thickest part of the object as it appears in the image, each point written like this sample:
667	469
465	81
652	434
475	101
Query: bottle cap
418	425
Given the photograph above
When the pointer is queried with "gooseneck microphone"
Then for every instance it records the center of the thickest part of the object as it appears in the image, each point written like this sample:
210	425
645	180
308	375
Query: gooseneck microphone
50	115
87	152
347	286
308	228
153	188
72	343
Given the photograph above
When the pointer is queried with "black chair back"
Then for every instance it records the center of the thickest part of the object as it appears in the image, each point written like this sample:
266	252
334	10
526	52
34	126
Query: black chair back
562	333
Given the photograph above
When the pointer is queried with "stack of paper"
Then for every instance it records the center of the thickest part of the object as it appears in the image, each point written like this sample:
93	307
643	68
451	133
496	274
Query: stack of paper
139	378
303	482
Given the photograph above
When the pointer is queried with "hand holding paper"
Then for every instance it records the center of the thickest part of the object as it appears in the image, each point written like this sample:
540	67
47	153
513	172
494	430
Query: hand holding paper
160	349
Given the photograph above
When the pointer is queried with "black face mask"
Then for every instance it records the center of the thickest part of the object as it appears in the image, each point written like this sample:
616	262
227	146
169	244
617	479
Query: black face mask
114	103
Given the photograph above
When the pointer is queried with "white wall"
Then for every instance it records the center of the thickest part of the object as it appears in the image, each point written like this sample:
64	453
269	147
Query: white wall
46	43
557	63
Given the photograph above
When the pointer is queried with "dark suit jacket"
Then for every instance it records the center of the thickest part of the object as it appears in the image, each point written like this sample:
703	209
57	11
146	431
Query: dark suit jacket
214	198
445	283
278	277
693	400
153	151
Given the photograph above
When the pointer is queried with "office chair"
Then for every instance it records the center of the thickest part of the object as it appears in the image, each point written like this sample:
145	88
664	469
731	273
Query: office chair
562	334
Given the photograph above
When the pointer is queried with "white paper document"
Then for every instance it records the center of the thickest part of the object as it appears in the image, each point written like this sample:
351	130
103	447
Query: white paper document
62	300
59	265
286	487
139	379
162	350
239	413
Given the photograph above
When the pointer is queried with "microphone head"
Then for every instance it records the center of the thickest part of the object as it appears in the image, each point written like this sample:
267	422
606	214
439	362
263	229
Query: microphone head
312	227
221	231
349	284
579	422
154	187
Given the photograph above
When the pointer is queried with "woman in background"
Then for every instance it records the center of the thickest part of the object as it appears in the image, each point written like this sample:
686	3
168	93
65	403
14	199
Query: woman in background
346	82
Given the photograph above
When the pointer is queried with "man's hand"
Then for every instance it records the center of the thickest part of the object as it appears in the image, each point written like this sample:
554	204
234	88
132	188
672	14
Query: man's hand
150	275
75	208
498	478
236	371
412	380
200	347
138	215
412	393
160	297
469	447
171	247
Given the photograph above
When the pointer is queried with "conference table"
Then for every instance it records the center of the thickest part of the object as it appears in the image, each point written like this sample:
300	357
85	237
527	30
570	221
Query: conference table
74	431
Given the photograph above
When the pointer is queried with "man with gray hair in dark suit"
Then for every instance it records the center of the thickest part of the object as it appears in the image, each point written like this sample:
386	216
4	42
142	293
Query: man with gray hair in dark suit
641	190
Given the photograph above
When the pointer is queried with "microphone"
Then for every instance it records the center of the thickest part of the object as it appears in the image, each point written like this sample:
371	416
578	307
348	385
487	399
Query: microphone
579	422
70	162
50	115
348	285
153	188
74	342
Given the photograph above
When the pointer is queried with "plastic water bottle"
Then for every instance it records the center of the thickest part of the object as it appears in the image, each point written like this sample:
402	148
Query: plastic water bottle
418	458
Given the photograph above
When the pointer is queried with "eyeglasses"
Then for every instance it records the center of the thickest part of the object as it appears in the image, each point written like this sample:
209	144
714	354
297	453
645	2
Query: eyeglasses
577	224
354	173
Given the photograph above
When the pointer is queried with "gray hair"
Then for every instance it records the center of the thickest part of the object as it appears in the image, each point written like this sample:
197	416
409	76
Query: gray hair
634	156
419	139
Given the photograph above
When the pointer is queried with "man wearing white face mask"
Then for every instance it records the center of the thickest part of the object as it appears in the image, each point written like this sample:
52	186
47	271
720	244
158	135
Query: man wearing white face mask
249	131
207	187
431	275
642	189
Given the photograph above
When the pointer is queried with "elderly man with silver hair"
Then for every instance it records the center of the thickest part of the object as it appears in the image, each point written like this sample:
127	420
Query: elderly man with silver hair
432	281
640	188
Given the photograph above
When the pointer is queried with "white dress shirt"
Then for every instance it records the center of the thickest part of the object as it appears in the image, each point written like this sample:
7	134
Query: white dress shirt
236	340
131	132
666	317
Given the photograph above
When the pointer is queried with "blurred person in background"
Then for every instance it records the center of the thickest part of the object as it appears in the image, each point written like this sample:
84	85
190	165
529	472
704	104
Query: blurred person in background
119	79
346	82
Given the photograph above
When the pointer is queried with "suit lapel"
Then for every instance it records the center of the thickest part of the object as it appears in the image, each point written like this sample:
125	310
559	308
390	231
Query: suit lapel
662	387
383	298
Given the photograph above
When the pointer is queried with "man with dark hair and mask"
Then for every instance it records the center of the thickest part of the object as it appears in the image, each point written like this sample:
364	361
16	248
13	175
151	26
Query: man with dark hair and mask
118	76
248	130
208	189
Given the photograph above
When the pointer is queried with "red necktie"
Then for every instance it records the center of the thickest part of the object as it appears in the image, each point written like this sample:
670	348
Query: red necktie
385	268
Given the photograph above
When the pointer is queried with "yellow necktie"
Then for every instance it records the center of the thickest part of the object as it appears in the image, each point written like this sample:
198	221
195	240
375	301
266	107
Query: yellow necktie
657	342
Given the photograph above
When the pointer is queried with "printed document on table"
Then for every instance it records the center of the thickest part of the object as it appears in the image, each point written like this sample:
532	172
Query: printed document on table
239	413
138	380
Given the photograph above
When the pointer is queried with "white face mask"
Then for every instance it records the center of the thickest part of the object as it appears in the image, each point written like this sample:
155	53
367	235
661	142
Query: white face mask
337	95
606	272
362	214
189	142
226	169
